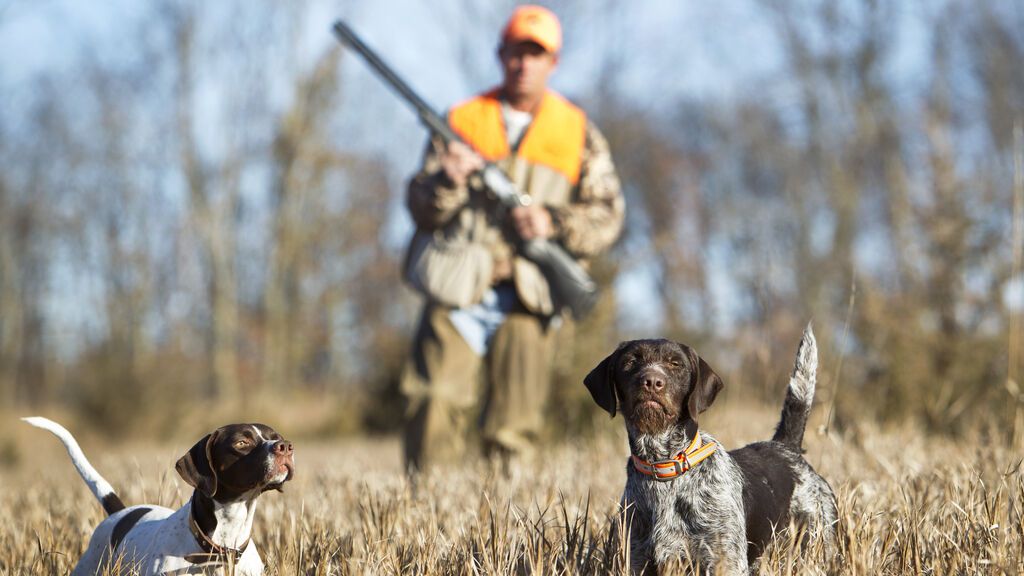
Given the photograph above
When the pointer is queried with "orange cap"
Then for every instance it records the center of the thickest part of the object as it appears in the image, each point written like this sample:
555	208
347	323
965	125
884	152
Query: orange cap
534	24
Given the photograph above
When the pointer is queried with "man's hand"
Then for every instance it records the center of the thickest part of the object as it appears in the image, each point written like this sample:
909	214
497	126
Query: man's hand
459	161
532	222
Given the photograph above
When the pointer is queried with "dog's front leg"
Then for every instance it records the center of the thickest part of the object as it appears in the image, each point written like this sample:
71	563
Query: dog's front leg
733	559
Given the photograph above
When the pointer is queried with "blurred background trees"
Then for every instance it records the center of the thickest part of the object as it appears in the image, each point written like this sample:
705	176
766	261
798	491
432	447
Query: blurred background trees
210	204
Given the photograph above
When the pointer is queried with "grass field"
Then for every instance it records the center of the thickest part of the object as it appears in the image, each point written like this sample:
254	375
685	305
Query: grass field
908	504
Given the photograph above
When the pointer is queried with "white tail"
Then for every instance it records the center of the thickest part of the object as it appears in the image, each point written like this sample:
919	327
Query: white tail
100	488
799	394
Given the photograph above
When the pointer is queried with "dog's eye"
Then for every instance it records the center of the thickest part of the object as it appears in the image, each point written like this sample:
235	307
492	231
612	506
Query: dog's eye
674	362
240	444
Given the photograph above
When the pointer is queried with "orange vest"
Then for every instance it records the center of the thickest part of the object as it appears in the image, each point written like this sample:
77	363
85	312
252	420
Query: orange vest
555	137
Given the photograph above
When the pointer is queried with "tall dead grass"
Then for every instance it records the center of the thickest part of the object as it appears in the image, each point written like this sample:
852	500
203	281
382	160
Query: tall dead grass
909	504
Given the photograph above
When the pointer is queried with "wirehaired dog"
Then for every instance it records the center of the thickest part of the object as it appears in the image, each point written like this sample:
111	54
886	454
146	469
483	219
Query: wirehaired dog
686	499
229	468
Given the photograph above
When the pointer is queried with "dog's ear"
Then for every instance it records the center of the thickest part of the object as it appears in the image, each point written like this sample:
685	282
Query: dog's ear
705	384
196	466
601	381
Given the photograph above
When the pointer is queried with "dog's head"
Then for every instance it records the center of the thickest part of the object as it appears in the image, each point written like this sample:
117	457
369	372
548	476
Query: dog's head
238	460
659	384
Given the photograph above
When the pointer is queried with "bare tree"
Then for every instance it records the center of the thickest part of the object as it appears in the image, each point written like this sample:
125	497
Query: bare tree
303	159
213	196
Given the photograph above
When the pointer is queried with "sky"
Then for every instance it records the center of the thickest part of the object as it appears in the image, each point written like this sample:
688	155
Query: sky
663	49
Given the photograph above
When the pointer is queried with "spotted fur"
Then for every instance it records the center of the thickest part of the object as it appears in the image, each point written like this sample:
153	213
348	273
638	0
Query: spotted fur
718	516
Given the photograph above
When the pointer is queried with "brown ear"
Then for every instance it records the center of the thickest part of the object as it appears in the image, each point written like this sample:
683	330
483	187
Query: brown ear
706	384
196	466
601	382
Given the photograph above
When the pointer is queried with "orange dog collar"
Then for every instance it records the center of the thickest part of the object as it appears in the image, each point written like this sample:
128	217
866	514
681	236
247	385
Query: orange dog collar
665	470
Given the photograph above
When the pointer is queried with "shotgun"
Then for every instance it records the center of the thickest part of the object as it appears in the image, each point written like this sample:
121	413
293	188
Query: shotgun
571	286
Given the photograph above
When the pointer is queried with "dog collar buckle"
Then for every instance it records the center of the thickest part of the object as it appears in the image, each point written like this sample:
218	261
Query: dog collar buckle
668	470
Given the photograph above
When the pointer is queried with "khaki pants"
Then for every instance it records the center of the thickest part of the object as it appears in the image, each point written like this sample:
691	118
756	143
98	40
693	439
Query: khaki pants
441	383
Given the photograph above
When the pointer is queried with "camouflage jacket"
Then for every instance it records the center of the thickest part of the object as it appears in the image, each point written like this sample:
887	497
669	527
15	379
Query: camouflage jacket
587	221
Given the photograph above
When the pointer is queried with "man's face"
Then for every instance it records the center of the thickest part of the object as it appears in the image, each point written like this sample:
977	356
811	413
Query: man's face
527	66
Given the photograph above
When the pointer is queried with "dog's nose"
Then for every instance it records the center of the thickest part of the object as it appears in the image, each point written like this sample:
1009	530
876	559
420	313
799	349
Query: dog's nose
655	383
283	447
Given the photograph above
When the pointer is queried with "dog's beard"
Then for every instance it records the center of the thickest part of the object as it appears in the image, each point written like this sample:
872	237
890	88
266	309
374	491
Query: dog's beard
651	416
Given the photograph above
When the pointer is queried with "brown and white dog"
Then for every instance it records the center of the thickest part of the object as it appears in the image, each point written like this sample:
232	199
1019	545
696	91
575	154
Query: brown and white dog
229	468
686	499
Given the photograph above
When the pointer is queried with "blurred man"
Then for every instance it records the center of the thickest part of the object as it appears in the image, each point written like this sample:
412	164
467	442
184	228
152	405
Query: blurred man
488	307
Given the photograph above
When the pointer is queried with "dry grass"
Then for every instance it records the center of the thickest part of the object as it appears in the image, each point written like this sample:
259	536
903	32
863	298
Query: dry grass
908	504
